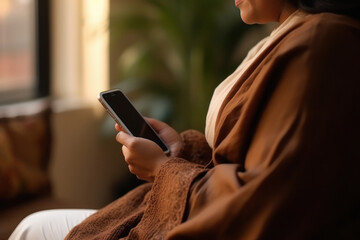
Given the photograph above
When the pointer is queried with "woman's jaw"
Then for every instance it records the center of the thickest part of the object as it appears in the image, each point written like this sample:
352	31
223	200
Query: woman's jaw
238	2
264	11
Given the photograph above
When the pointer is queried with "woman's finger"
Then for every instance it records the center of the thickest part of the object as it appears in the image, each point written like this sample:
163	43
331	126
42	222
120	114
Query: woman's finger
118	127
125	139
126	153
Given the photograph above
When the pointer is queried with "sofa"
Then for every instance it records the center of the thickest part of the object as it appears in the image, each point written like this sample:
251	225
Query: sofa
25	153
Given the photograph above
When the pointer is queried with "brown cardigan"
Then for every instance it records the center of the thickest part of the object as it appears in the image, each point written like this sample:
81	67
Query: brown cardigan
286	158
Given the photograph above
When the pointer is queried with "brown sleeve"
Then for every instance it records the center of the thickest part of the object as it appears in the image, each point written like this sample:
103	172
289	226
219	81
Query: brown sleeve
167	201
195	148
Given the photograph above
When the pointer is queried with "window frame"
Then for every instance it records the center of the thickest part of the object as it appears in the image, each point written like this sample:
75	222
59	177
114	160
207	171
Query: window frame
43	48
41	87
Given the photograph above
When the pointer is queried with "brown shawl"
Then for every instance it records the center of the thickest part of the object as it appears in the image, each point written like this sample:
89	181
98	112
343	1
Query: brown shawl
286	156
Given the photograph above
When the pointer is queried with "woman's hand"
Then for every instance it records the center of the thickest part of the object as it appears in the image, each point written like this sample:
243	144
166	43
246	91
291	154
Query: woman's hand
171	138
144	157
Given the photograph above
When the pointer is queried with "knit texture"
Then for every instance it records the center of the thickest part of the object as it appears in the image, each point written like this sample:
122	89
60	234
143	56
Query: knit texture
151	210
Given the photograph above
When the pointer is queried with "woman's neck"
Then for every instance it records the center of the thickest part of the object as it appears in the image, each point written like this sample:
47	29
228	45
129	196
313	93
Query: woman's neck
287	11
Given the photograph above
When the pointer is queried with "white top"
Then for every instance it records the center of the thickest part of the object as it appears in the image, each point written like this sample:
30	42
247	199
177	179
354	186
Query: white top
224	87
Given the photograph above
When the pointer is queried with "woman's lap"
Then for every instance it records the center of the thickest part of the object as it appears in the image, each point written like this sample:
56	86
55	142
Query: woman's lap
49	224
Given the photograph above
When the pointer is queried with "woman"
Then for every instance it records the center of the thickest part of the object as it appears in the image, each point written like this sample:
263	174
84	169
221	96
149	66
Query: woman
279	157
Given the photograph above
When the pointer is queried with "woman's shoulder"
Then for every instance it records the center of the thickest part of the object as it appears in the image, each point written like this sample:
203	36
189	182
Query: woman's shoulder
323	31
332	24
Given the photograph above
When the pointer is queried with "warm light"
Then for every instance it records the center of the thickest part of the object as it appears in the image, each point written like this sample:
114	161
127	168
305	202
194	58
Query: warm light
80	49
4	8
95	36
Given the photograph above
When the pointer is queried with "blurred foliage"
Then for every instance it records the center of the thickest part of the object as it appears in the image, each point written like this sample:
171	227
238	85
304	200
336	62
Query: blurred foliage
169	55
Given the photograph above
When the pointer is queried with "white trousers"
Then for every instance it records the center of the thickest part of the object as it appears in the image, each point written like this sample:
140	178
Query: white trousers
49	224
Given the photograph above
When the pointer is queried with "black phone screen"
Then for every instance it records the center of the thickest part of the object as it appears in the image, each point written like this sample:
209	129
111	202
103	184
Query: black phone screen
130	117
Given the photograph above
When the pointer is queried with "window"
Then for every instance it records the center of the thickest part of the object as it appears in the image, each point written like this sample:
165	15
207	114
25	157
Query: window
24	50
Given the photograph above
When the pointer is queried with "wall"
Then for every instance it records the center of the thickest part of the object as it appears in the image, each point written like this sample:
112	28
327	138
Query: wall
85	165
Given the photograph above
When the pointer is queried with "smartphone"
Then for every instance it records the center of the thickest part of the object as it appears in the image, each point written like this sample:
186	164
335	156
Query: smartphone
124	113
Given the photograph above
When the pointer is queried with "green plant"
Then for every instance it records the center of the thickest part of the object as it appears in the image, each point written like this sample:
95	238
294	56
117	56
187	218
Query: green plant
171	54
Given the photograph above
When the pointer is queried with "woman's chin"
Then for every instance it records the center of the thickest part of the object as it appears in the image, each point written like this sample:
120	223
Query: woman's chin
246	19
250	19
